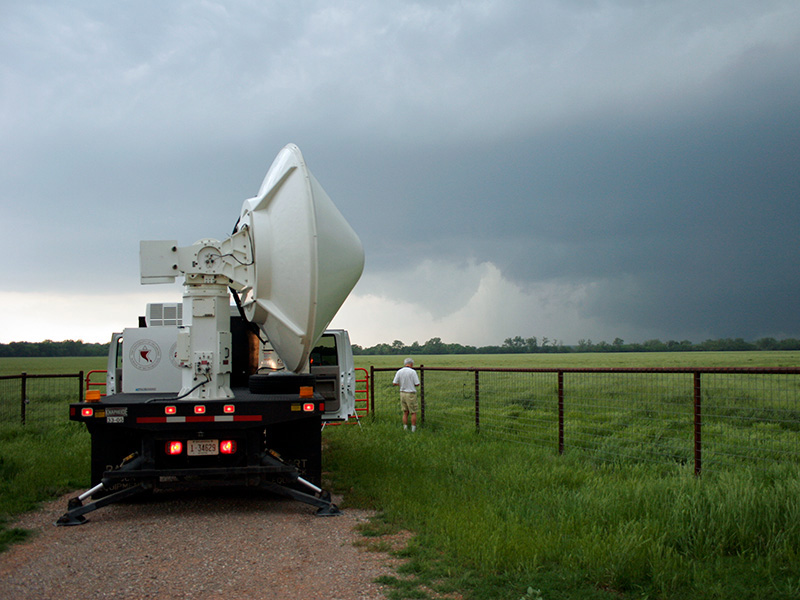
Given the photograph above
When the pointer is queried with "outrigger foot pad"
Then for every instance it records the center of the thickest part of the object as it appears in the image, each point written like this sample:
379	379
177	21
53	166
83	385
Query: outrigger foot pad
73	516
329	511
76	508
67	520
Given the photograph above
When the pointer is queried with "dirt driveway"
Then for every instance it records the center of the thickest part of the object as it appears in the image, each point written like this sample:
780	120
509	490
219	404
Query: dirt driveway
220	545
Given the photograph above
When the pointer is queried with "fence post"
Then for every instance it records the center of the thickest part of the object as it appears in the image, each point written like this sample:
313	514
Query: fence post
561	412
698	424
477	402
23	396
372	390
421	394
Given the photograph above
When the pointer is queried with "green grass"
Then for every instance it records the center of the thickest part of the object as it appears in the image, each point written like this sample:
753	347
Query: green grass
493	519
49	455
37	463
619	515
640	416
599	359
43	366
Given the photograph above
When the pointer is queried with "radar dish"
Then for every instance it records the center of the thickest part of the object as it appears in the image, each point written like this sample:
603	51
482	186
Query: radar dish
306	258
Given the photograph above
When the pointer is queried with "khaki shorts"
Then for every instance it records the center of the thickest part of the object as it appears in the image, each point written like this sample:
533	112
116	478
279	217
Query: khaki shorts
408	401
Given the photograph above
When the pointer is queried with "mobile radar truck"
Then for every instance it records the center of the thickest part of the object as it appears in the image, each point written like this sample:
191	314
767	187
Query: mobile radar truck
206	392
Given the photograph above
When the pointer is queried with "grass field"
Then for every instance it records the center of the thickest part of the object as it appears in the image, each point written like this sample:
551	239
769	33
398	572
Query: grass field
495	520
42	366
603	359
637	415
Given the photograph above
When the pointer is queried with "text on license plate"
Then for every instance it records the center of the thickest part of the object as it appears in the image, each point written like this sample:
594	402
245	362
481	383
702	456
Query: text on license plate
202	447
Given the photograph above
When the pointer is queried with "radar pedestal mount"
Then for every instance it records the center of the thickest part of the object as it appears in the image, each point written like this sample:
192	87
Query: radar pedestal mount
292	258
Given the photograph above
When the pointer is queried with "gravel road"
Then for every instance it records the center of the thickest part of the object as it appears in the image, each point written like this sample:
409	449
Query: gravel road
194	545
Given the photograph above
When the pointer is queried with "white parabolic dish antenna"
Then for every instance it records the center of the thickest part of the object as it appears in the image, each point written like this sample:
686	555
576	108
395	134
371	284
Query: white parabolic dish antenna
306	258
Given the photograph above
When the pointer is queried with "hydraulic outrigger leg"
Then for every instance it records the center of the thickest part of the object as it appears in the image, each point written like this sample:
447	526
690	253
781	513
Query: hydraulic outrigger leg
76	509
269	467
322	499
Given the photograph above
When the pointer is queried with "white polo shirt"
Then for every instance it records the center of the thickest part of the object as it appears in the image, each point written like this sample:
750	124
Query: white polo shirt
407	379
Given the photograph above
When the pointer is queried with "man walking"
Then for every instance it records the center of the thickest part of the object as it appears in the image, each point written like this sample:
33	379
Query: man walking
406	378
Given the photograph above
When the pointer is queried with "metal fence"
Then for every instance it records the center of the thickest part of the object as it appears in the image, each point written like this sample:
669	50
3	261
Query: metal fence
700	417
38	399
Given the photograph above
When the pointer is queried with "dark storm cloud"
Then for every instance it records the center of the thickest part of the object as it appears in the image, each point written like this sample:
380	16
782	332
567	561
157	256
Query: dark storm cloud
644	154
687	217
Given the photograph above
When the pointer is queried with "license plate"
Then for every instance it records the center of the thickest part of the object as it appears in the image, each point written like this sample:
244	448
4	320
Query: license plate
202	447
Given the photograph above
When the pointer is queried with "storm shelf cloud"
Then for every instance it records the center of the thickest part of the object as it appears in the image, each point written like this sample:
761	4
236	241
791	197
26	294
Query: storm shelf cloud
572	170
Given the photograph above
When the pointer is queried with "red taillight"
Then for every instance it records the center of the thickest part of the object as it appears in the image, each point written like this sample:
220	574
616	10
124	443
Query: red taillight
308	407
229	409
87	412
174	448
199	409
170	410
227	447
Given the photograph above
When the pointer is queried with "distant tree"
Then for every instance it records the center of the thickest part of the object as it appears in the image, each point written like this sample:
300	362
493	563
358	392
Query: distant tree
767	343
789	344
434	346
516	344
49	348
654	346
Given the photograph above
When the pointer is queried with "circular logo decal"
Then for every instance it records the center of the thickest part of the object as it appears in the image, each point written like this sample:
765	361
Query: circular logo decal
145	355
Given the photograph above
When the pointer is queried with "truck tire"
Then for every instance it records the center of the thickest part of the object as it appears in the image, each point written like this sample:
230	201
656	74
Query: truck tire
279	384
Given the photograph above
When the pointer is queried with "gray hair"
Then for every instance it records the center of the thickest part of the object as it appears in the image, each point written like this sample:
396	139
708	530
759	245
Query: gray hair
408	361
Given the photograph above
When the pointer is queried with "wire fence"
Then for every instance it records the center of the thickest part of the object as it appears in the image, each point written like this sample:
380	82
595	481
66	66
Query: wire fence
38	400
700	417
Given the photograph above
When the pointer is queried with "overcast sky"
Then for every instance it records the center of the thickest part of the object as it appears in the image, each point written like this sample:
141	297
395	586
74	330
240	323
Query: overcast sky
573	169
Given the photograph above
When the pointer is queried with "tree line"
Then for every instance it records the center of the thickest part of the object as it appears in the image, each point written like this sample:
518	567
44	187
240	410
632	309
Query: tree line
534	345
49	349
515	345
